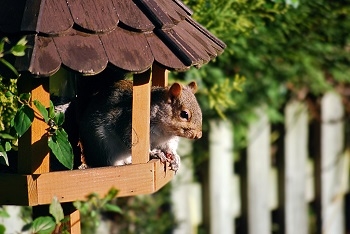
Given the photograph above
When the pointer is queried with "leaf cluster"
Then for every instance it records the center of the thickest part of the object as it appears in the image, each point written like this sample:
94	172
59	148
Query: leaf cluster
92	209
17	113
49	224
284	49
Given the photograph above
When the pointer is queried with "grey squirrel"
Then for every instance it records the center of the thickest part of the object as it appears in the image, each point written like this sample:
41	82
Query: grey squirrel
105	128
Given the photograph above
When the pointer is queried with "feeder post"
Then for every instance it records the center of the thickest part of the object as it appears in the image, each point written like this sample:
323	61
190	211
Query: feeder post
159	76
33	152
141	104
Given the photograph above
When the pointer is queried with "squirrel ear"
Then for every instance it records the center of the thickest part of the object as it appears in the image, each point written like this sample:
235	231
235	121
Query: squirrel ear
175	90
193	86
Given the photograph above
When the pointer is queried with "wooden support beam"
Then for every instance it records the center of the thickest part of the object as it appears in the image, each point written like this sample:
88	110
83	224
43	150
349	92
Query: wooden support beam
68	186
73	223
141	117
159	76
33	152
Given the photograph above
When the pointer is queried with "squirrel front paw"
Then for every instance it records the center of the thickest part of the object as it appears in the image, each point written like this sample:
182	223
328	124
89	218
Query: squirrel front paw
158	154
174	160
167	157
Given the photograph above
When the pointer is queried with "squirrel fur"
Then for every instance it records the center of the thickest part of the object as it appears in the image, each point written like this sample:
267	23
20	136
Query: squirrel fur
105	128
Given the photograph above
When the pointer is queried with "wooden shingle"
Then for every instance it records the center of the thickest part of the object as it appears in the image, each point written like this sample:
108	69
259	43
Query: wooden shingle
88	35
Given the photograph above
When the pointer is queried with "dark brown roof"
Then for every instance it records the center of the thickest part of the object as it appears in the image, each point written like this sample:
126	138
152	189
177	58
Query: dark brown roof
86	35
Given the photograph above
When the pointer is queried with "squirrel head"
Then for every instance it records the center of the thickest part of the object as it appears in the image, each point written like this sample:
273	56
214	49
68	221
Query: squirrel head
186	114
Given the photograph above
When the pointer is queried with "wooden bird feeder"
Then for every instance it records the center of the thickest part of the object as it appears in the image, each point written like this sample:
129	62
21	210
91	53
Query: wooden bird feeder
145	37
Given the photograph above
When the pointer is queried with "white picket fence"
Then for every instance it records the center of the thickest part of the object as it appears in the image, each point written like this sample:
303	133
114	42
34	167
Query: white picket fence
261	188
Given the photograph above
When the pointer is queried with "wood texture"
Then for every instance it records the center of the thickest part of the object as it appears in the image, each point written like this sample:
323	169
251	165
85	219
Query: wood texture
76	185
137	20
162	174
33	153
140	51
159	76
47	60
164	55
141	117
71	29
68	186
82	52
74	222
55	18
94	15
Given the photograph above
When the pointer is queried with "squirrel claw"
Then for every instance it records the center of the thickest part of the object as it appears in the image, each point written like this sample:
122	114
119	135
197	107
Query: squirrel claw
158	154
168	157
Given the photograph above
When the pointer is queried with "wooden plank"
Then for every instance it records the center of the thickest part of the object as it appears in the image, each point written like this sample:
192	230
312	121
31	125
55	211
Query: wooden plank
295	165
159	76
74	185
220	177
73	223
332	147
33	153
258	178
156	14
164	55
94	15
82	52
137	20
133	46
55	18
162	174
141	117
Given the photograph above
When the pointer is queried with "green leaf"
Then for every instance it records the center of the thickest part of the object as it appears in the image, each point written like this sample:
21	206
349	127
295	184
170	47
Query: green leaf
23	41
3	213
43	225
9	65
56	210
51	110
2	229
61	148
23	119
3	156
113	208
24	97
2	45
7	146
112	193
6	136
42	110
18	50
8	94
59	118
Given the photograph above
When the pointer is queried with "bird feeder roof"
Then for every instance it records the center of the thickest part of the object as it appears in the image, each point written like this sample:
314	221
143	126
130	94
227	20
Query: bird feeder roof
88	35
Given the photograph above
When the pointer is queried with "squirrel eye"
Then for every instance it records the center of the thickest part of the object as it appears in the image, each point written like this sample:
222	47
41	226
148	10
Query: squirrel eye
184	115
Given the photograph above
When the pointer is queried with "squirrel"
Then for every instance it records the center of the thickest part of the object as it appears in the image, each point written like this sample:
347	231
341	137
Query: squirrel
105	127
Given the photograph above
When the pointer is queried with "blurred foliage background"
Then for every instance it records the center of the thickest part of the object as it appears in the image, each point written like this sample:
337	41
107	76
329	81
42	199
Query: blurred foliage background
276	50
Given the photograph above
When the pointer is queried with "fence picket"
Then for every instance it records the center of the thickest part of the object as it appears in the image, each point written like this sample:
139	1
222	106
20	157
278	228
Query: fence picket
295	165
220	177
257	189
258	176
332	146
